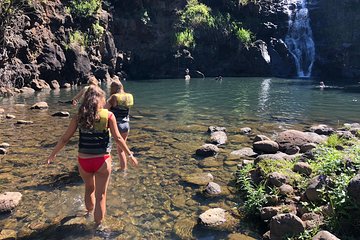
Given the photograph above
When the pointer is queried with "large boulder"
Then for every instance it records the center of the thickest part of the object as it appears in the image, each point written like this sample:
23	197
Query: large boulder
325	235
283	225
292	138
39	84
266	146
77	63
354	188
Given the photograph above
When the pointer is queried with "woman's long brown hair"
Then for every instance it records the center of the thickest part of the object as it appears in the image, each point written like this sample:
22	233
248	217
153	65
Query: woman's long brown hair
88	111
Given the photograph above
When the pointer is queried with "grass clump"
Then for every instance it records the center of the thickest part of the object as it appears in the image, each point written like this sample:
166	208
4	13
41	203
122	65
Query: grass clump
268	166
197	14
84	8
185	38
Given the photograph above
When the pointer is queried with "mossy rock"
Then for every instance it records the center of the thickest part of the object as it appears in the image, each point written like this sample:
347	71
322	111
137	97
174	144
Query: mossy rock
284	167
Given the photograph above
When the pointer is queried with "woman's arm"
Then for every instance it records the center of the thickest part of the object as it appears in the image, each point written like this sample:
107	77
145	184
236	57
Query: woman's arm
64	139
120	141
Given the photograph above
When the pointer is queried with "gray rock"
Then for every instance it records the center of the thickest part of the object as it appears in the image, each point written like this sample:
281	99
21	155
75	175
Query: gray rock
307	147
61	114
24	122
244	152
322	129
207	150
3	151
285	225
245	130
38	85
291	138
200	179
218	138
276	156
266	146
26	90
40	105
325	235
312	192
292	150
303	168
213	217
258	138
9	116
4	145
9	200
213	188
286	190
266	213
277	179
212	129
354	188
2	110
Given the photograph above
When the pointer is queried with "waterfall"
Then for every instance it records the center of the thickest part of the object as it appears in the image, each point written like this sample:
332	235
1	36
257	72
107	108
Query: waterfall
299	38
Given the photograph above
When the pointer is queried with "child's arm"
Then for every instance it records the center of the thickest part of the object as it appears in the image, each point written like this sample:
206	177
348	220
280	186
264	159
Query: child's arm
120	141
64	139
111	102
78	96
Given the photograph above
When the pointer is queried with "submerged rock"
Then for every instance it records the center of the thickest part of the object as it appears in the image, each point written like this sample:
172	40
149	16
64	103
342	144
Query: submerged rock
207	150
39	105
218	219
183	228
245	130
218	138
213	189
61	114
9	200
212	129
24	122
243	153
198	178
10	116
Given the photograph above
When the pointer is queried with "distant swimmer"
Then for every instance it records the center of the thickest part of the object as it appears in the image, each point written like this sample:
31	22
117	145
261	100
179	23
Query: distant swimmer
187	75
219	78
322	85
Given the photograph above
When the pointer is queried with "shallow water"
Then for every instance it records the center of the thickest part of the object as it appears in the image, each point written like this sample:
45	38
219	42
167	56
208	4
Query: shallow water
152	201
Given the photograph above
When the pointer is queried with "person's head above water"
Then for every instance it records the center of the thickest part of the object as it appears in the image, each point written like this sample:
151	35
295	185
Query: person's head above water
93	81
116	86
322	84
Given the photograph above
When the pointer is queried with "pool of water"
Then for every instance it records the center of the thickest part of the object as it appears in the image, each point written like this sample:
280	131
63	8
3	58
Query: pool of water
152	201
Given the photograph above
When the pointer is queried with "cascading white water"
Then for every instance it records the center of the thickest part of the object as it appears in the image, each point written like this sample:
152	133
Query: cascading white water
299	38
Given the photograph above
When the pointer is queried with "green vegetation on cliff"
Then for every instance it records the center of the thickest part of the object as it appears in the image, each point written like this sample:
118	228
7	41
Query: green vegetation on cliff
84	8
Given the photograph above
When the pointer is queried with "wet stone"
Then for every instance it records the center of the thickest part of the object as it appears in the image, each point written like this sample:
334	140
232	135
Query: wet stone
198	178
8	234
245	130
61	114
40	105
9	200
3	151
207	150
10	116
213	189
4	145
24	122
239	236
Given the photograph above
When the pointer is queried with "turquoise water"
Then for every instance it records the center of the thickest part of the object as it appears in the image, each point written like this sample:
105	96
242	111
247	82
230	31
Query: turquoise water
171	120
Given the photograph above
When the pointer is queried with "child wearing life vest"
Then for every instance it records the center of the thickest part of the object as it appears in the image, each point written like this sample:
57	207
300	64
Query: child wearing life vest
95	125
78	98
120	103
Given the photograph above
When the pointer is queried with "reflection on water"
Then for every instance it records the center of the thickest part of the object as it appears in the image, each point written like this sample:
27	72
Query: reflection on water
152	202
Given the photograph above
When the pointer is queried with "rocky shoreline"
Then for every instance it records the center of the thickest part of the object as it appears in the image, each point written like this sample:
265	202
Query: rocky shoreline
290	183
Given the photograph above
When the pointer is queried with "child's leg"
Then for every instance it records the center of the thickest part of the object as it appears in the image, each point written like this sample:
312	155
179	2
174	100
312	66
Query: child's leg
121	153
102	177
89	181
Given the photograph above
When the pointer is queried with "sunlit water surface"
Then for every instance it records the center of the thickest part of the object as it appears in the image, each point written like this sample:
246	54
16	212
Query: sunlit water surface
152	201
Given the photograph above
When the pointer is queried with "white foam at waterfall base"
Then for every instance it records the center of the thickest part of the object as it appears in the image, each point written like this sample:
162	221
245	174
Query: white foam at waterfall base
299	39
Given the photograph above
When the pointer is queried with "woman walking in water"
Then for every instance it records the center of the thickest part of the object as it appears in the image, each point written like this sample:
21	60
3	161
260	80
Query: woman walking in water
120	103
95	125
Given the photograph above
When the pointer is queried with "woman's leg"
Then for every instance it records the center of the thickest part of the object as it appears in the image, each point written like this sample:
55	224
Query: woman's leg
102	177
121	153
89	181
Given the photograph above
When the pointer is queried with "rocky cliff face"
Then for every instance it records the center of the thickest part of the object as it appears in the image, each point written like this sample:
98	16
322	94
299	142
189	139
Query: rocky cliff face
336	32
136	38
